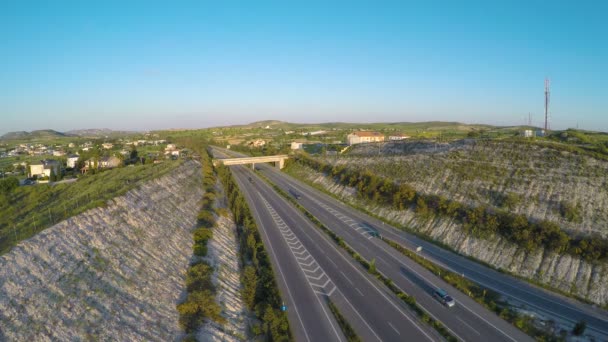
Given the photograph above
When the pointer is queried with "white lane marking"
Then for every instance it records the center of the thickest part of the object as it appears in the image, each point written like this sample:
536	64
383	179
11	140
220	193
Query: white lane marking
325	239
384	261
305	262
361	293
470	327
397	331
283	276
369	237
430	282
318	299
347	278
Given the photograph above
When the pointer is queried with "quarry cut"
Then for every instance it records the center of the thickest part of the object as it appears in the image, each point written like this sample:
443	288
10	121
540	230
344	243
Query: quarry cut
113	273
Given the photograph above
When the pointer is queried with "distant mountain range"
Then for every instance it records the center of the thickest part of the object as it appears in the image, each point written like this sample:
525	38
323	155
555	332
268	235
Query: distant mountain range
52	134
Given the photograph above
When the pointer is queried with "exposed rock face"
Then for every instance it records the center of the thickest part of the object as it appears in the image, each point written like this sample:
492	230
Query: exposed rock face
223	255
112	274
539	182
569	274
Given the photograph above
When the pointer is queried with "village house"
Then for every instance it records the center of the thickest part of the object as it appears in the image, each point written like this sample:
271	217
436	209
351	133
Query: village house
101	163
107	146
45	168
72	160
364	137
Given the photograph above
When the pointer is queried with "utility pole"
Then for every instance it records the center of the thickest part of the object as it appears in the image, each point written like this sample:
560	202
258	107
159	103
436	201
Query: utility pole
547	97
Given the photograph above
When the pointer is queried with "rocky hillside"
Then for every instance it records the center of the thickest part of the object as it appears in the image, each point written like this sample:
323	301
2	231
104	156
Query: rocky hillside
570	274
113	273
539	182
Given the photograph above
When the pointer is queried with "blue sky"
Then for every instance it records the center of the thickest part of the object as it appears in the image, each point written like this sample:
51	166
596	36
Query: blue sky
152	65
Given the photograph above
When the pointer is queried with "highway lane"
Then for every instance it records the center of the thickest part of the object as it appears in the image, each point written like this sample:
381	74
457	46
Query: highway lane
551	304
309	317
375	313
467	320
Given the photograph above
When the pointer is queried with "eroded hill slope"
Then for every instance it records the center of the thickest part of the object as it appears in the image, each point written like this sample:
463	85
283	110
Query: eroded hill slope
111	273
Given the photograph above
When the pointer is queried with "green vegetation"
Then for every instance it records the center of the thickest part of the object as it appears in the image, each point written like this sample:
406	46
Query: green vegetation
346	328
27	210
369	266
200	303
260	292
478	221
488	298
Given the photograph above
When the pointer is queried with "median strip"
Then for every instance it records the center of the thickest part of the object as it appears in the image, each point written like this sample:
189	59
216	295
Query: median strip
407	299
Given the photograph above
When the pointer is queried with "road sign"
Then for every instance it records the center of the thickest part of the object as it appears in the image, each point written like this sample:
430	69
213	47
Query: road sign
283	307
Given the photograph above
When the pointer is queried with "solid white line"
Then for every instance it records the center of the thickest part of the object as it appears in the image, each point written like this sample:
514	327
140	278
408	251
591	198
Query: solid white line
430	282
361	293
350	281
332	291
397	331
380	258
282	275
470	327
318	300
324	238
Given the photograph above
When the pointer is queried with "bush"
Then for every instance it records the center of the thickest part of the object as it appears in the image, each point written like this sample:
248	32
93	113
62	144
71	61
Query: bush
579	328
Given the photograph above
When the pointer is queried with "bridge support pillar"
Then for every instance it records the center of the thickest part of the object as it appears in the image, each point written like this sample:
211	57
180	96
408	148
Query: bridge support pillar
253	166
280	164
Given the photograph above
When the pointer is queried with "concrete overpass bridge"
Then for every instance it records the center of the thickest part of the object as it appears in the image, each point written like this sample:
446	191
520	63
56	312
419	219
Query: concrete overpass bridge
278	160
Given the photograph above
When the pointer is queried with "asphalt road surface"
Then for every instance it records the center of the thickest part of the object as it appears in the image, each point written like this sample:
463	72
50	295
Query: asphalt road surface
551	305
311	269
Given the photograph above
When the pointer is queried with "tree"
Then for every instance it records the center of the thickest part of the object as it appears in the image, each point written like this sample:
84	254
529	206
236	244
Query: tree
579	328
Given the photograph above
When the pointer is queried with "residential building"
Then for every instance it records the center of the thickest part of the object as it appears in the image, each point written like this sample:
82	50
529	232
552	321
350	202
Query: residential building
364	137
296	145
107	146
101	163
72	160
398	137
58	153
45	168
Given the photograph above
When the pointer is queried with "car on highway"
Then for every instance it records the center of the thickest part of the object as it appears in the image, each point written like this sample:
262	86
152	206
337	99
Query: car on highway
250	180
294	193
444	298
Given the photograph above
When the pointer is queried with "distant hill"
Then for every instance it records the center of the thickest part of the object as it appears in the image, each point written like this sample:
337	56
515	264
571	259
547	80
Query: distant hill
401	126
39	134
98	132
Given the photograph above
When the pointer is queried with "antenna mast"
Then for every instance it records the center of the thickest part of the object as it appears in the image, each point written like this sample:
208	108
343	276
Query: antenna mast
547	97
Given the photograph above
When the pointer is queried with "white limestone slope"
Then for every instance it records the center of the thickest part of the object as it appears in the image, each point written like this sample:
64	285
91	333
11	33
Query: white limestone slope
111	274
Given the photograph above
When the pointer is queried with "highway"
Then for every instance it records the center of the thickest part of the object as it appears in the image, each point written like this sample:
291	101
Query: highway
467	320
310	269
342	218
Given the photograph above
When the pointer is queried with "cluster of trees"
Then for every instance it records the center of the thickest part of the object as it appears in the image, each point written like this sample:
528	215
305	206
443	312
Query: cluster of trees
479	221
200	302
260	292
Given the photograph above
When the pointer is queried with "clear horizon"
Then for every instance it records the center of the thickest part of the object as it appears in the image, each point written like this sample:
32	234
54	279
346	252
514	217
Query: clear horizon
148	66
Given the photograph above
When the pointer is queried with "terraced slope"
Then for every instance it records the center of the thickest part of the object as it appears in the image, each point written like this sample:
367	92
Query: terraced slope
111	273
539	182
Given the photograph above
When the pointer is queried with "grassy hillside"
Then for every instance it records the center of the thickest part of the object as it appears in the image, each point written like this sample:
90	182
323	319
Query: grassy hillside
27	210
